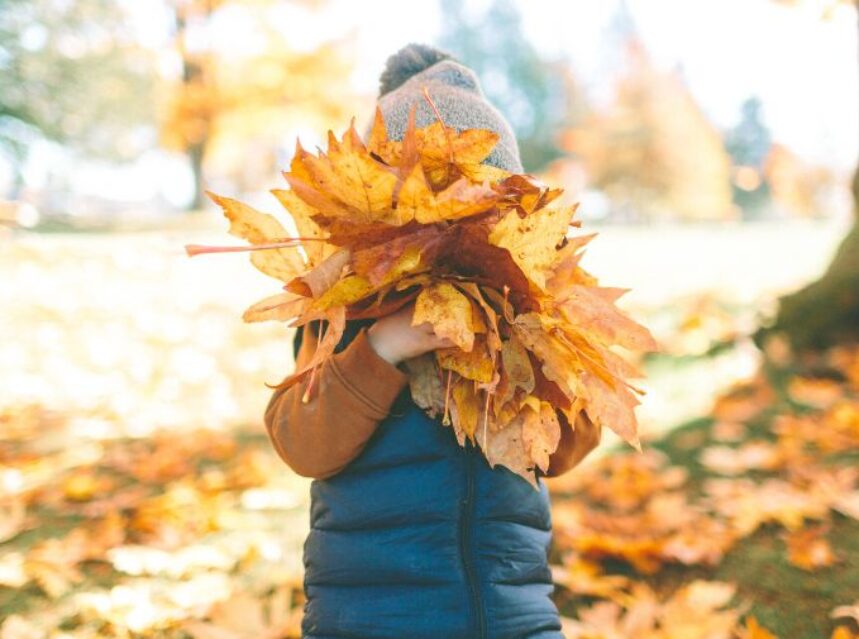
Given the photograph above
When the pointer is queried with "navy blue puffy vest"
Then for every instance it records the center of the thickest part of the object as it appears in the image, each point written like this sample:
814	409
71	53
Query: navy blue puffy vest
418	538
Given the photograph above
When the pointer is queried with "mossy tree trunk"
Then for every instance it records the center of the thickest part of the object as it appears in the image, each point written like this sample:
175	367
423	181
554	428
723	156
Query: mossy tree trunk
825	312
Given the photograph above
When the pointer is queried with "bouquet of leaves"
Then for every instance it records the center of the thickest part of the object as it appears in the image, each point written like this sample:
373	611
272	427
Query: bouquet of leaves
486	258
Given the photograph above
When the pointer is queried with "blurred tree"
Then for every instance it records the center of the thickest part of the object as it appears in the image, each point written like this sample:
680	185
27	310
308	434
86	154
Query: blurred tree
798	188
220	93
826	312
749	144
653	151
71	72
536	95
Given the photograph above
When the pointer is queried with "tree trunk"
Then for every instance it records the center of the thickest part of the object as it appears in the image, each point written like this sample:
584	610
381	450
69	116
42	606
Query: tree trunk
826	312
192	74
196	152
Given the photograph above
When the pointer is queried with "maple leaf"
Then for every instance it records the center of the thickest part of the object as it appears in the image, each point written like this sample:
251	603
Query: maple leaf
695	611
533	240
474	364
461	199
541	431
302	215
449	313
444	154
425	385
281	307
506	446
465	409
441	150
260	228
397	258
517	369
352	177
593	309
336	324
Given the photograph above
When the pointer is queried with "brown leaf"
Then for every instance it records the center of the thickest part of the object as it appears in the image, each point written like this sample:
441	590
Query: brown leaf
505	446
541	431
425	384
336	317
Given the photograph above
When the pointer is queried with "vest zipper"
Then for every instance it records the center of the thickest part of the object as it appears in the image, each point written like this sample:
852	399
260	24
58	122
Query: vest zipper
466	546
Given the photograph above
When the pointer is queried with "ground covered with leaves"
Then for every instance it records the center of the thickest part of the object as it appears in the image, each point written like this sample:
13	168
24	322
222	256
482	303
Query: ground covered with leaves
744	523
140	497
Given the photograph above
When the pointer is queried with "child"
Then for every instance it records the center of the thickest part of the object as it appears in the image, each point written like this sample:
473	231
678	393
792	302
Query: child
413	536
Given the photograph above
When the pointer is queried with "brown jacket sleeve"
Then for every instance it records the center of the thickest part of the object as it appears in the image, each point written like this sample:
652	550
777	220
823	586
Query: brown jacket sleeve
574	446
352	393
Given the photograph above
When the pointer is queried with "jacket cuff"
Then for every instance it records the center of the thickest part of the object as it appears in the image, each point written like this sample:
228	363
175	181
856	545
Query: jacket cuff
367	375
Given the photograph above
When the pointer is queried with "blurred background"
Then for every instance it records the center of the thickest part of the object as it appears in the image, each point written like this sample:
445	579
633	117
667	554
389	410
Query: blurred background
711	144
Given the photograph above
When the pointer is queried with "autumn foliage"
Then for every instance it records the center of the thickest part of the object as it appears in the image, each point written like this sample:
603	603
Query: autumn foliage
484	256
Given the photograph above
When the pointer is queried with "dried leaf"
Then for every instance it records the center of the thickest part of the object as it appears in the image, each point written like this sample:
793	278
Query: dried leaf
541	431
533	240
449	313
281	307
260	228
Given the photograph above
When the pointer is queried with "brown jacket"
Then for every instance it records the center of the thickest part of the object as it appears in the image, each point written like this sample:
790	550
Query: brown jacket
353	392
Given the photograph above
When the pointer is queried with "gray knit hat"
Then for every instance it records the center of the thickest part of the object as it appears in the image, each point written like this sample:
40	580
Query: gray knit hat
456	92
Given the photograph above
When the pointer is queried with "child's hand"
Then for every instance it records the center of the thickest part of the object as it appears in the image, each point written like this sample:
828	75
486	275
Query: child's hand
395	339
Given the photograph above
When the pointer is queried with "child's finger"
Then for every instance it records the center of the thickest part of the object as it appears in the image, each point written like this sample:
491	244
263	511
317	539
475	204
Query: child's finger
443	342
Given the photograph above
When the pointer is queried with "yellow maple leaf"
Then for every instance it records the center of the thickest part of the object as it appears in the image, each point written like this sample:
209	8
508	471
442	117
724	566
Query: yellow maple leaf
302	215
475	364
533	240
445	152
465	408
261	228
449	313
350	175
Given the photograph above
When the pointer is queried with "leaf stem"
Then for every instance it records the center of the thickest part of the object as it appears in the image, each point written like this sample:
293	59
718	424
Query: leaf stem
451	158
446	417
200	249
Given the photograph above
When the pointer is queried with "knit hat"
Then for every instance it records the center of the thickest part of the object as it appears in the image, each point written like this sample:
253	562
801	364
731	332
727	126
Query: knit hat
456	92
